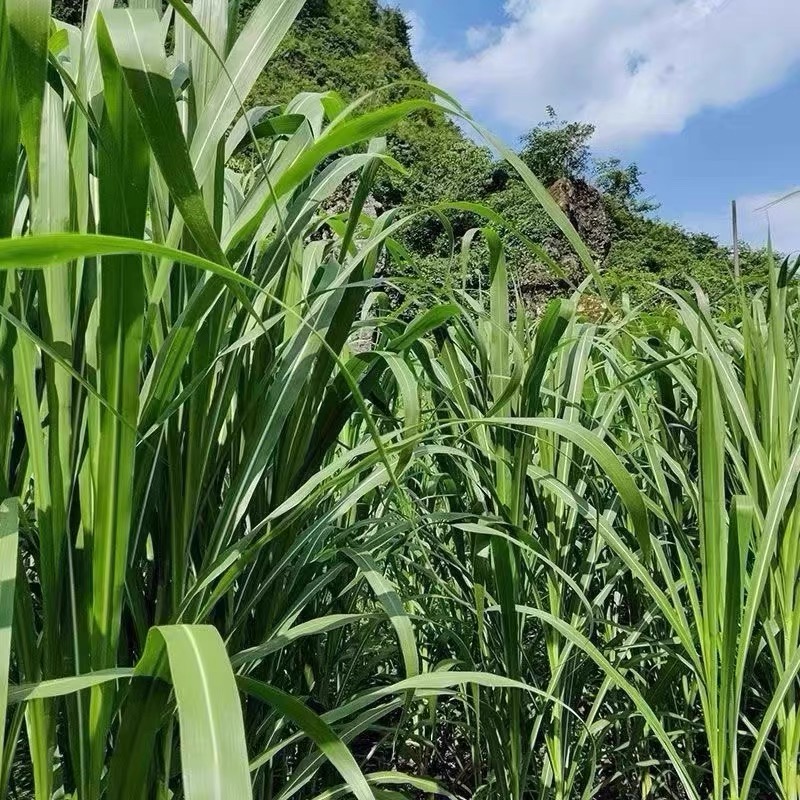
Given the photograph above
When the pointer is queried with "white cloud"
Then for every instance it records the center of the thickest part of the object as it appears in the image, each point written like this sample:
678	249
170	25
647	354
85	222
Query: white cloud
760	215
481	36
633	67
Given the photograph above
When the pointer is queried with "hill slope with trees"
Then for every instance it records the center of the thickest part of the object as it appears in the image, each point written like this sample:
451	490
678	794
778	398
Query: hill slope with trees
358	47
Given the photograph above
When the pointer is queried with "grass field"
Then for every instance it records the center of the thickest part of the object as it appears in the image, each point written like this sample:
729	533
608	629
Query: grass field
486	556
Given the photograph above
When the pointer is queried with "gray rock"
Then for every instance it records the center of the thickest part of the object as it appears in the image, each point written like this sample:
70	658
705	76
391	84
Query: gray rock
585	209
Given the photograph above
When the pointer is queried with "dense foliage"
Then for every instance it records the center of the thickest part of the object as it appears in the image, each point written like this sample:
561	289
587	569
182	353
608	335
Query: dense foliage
555	149
262	536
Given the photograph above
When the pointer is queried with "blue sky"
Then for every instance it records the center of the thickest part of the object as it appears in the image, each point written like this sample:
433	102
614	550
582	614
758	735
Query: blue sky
703	94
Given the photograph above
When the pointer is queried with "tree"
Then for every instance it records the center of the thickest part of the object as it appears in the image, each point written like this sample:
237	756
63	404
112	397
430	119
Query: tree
623	184
556	149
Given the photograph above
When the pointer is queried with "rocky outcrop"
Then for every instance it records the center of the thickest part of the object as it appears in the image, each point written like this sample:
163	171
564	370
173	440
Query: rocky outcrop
584	206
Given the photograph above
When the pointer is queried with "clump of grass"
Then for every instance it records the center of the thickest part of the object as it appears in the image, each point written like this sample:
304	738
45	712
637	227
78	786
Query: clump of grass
529	558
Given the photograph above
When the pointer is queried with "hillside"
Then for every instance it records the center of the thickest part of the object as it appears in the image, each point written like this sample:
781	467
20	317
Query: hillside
357	46
361	46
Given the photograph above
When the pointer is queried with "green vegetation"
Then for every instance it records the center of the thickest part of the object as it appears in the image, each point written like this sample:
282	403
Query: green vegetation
645	251
263	535
555	149
359	46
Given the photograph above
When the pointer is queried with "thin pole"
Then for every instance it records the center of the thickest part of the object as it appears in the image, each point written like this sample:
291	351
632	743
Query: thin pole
735	218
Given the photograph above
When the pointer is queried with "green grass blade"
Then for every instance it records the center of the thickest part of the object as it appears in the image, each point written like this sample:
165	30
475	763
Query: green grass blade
59	687
47	250
579	640
316	729
606	459
9	125
313	627
124	168
779	502
386	595
9	538
135	38
29	26
257	42
213	748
